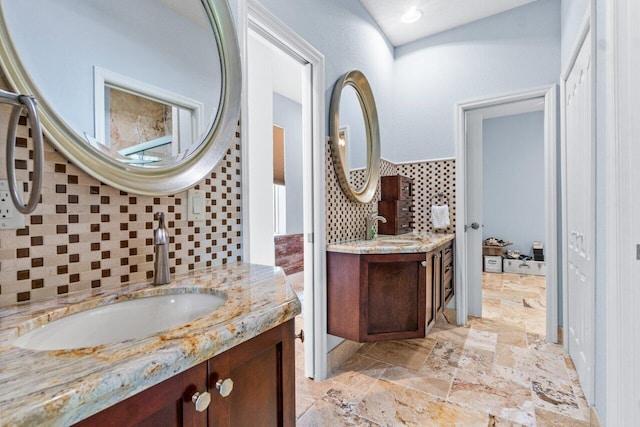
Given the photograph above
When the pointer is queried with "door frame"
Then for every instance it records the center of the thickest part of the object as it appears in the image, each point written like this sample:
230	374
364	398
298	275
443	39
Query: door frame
621	297
255	17
587	27
549	93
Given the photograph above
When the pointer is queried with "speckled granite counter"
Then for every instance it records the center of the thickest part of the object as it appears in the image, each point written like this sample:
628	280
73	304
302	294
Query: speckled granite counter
62	387
415	242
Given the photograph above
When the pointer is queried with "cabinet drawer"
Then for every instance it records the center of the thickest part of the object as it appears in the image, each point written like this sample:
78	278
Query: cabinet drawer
395	208
396	187
397	225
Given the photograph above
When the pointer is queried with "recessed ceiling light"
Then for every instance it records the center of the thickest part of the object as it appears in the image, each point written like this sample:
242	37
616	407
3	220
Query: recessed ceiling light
412	15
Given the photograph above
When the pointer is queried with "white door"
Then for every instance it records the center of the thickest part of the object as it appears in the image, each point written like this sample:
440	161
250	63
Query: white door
473	228
580	232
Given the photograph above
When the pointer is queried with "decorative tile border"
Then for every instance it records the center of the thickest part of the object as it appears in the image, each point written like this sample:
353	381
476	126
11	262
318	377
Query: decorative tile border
86	234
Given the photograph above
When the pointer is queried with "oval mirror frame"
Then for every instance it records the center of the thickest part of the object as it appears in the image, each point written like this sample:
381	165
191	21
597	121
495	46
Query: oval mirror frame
159	181
357	80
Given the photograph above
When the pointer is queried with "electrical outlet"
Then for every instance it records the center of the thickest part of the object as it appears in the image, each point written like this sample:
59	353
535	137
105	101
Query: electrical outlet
10	218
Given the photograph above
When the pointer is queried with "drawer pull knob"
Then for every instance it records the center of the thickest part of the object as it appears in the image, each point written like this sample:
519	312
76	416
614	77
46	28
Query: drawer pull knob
201	400
225	387
423	263
300	335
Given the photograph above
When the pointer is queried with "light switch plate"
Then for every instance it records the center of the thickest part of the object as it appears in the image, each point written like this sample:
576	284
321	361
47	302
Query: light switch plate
195	205
10	218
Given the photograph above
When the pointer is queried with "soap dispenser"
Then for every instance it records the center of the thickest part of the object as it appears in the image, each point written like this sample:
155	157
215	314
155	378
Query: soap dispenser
161	244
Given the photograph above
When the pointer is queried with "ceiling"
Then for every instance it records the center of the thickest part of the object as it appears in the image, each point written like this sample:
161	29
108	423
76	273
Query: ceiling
437	15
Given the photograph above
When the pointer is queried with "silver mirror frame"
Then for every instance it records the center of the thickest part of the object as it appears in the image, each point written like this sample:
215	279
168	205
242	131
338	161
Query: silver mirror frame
144	181
360	84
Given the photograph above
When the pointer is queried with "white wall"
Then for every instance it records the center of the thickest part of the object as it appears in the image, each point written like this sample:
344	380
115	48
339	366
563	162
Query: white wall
288	114
516	50
114	35
513	179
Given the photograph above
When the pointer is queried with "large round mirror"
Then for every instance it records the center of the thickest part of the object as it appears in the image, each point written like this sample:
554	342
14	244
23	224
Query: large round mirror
144	96
355	136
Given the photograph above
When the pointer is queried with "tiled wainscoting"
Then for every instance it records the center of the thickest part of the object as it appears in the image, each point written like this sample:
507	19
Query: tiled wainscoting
346	218
86	234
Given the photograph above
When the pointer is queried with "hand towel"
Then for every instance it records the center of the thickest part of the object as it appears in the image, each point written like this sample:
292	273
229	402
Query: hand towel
440	216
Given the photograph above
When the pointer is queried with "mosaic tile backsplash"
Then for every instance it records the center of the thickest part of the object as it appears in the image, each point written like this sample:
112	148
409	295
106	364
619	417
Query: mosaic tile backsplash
86	234
346	218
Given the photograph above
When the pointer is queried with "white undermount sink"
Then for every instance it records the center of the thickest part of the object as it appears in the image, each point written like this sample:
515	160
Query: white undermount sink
121	321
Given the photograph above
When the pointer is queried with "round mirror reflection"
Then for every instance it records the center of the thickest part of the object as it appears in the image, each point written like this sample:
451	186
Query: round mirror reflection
140	83
355	136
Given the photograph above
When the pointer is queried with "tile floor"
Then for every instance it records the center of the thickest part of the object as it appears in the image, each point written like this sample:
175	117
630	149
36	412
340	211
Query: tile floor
496	371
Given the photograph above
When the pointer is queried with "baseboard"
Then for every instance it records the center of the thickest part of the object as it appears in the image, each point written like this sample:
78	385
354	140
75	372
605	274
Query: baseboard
341	353
594	418
560	335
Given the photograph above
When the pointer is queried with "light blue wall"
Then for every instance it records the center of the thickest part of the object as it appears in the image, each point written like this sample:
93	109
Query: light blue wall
288	114
113	35
348	38
513	179
516	50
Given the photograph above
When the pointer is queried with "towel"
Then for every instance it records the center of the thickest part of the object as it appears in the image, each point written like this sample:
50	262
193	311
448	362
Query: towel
440	216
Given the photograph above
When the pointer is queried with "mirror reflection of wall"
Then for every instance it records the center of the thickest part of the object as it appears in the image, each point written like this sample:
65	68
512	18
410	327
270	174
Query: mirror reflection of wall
352	120
87	34
287	113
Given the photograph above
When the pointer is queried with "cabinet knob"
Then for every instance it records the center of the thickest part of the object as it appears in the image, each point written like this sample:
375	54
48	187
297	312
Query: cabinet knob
423	263
225	387
201	400
300	335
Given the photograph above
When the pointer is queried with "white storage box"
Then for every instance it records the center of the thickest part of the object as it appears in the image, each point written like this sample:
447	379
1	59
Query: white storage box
492	264
536	268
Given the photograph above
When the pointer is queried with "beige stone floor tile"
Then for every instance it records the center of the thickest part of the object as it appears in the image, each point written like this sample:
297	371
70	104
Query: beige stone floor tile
499	397
399	353
556	396
484	340
501	422
445	353
535	303
435	381
335	408
458	335
390	404
515	375
514	357
476	360
512	337
548	365
551	419
308	392
359	372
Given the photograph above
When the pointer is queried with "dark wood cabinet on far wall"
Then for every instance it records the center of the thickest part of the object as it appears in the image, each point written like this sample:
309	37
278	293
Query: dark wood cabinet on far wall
262	370
396	204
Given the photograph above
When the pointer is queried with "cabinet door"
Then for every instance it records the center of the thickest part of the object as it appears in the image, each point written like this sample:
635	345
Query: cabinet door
430	293
436	279
262	370
393	296
165	404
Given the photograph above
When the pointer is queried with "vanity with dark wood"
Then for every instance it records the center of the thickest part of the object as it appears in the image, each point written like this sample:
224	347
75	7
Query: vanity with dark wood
389	288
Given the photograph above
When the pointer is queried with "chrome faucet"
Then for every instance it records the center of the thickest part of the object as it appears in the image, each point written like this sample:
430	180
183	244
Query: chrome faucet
372	219
161	243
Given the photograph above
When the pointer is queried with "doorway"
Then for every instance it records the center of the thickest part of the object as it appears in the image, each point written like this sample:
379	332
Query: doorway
469	236
283	205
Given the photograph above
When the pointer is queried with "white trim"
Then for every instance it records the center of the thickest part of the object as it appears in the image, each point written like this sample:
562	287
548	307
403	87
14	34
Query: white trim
103	77
412	162
622	337
549	93
256	17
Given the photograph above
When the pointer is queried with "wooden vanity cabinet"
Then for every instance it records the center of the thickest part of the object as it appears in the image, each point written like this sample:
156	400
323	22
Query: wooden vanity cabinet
376	297
441	261
263	374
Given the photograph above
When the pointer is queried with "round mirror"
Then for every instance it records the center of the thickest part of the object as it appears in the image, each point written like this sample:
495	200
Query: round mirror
355	136
145	98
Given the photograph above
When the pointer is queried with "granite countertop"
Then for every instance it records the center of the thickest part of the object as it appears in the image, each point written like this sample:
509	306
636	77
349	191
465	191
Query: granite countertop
65	386
414	242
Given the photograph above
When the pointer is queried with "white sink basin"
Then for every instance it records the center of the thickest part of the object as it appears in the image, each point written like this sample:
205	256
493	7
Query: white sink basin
120	321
